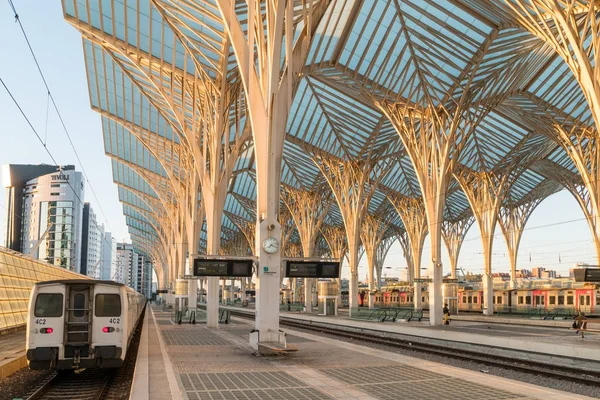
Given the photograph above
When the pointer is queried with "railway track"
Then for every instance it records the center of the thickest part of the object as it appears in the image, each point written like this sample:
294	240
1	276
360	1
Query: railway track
89	384
563	373
93	383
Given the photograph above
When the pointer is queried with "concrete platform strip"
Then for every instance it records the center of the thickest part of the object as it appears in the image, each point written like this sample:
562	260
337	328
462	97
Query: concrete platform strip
487	386
140	386
157	386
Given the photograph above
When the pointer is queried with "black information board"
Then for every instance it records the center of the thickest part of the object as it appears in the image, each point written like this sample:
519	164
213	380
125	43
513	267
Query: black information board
587	274
312	269
217	267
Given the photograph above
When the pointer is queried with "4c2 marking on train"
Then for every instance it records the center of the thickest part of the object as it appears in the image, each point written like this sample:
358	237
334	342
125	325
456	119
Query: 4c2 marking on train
114	321
40	321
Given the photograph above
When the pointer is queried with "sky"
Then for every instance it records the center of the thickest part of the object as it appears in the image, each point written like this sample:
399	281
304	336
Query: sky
58	47
556	236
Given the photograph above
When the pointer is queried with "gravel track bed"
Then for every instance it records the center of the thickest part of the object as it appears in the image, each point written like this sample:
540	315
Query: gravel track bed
535	379
20	382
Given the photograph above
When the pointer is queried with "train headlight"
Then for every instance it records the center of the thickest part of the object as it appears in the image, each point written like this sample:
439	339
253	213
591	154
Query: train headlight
46	330
108	329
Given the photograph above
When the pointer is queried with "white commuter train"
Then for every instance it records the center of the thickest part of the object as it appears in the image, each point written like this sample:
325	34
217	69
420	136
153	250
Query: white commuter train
81	323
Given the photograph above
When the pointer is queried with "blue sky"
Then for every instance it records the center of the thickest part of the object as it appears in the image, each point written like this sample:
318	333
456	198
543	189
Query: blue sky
556	227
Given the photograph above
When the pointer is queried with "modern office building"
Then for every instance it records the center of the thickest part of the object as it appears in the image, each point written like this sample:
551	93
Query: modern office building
14	180
109	256
147	278
45	212
91	244
127	265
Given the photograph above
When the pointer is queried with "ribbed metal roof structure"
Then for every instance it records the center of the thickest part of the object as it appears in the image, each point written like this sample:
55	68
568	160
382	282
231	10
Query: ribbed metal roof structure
505	92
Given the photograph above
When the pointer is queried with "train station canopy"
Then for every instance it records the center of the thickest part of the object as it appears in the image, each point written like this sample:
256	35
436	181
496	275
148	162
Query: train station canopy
148	62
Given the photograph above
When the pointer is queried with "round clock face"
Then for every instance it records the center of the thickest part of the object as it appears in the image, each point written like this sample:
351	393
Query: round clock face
271	245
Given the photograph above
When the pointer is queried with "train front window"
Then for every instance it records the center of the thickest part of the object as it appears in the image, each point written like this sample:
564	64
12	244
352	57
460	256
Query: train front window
108	305
49	305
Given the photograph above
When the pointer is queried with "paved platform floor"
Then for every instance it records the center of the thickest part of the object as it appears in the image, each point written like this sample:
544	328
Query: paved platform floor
201	363
12	353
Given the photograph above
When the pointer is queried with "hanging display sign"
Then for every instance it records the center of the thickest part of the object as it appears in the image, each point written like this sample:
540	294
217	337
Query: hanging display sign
587	274
222	268
312	269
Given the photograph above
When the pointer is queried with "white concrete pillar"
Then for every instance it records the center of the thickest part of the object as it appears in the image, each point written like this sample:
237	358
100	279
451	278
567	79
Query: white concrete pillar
436	274
267	282
417	294
308	296
294	288
192	294
488	294
231	291
200	289
243	289
371	299
223	299
212	302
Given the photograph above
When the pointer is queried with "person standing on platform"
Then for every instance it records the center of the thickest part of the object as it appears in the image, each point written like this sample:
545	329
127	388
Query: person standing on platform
581	321
446	312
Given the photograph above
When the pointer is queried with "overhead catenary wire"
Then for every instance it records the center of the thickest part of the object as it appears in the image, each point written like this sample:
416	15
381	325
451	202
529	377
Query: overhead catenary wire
63	124
51	99
47	151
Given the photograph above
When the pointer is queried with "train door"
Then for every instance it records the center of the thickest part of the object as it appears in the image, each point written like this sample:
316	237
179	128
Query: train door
78	322
539	298
584	301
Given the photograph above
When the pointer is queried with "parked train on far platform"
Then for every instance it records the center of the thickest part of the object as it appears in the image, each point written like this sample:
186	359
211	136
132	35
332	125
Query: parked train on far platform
81	324
584	297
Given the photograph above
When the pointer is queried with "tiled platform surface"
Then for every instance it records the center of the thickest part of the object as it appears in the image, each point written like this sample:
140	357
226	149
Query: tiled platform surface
12	353
219	364
543	340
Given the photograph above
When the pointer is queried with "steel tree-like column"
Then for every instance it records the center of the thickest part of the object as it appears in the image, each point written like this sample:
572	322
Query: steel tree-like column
454	233
373	228
413	216
512	220
584	187
572	28
216	154
485	192
337	241
350	183
381	254
269	60
307	208
287	230
404	240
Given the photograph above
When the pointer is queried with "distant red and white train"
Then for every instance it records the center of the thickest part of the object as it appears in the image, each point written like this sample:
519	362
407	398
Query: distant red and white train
584	298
